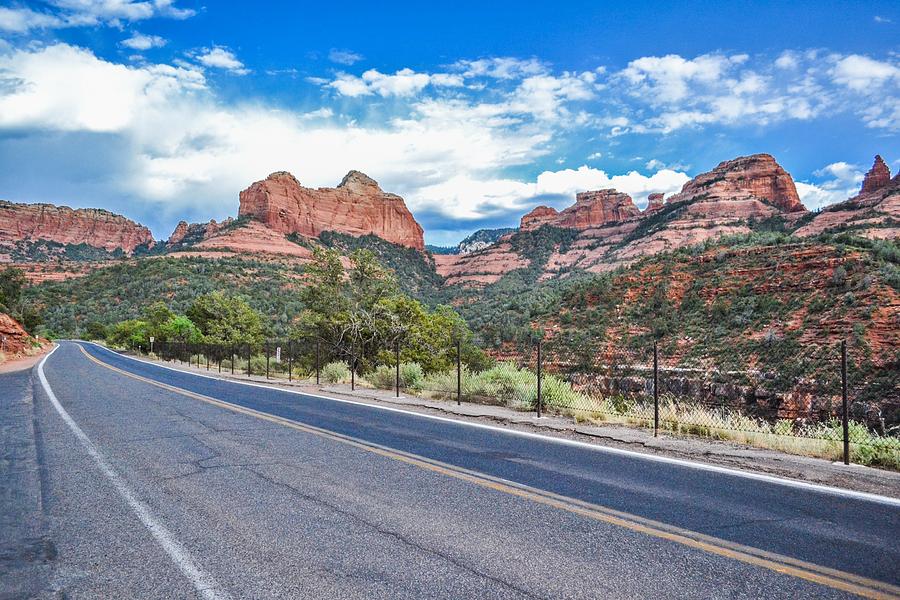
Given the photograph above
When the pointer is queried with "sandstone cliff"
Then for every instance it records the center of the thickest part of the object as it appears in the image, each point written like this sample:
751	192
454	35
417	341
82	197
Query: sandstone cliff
95	227
191	233
357	206
591	209
877	177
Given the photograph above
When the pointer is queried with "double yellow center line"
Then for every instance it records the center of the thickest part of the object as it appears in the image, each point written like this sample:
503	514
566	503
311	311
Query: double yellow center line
833	578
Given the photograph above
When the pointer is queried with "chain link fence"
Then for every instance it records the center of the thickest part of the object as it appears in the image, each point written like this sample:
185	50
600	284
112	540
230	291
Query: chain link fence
835	401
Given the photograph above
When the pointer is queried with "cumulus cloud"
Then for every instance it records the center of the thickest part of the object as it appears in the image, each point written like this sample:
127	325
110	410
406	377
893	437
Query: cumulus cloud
839	181
219	57
79	13
139	41
861	73
500	67
344	57
403	83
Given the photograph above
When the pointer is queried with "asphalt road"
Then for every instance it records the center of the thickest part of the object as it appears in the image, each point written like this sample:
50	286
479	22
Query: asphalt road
139	482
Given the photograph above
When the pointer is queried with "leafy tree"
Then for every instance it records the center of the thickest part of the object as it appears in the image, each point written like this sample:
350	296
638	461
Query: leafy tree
95	331
226	319
157	315
180	329
129	333
12	282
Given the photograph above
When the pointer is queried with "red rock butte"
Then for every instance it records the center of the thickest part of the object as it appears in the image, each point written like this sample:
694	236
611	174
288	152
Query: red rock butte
757	177
92	226
357	206
877	177
591	209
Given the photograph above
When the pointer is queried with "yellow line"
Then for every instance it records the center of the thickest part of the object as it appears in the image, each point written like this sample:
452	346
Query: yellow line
847	582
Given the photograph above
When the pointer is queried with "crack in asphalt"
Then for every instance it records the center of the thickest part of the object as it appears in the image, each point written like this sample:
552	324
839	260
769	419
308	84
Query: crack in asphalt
393	534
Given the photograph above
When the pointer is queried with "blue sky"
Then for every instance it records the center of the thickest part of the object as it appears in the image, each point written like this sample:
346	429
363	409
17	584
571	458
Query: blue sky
473	112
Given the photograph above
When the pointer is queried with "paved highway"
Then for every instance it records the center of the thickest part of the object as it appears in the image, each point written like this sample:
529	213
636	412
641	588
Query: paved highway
125	479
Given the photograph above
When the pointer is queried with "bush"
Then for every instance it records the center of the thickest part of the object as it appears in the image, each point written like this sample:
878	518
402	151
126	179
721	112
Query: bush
382	378
513	386
258	365
336	372
412	376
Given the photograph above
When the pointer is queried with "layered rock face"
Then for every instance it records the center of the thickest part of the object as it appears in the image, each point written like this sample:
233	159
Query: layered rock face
591	209
357	206
877	177
873	214
13	338
757	177
94	227
654	202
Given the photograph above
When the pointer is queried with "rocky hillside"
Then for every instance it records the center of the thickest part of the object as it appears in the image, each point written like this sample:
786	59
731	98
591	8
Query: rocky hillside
357	206
43	231
611	231
479	240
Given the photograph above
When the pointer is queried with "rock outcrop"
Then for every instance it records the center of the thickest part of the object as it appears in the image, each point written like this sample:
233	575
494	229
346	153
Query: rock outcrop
877	177
874	214
757	177
654	202
591	209
13	338
357	207
192	233
92	226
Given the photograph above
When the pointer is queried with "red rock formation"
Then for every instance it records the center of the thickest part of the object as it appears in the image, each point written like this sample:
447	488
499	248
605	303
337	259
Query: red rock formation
591	209
92	226
756	177
357	207
196	232
873	214
654	203
877	177
542	215
13	338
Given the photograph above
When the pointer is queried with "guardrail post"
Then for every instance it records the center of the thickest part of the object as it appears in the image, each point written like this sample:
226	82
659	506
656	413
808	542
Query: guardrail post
267	359
844	410
655	388
458	373
317	362
539	365
397	367
290	360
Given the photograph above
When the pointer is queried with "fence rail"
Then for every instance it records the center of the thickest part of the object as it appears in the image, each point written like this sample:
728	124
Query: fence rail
822	400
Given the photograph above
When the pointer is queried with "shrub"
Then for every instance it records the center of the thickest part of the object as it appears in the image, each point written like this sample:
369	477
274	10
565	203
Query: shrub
336	372
411	375
258	365
382	378
513	386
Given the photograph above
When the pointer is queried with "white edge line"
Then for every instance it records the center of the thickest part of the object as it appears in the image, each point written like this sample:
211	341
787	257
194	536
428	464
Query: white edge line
794	483
202	582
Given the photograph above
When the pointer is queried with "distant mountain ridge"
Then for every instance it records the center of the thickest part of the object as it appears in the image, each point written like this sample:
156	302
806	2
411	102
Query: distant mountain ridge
479	240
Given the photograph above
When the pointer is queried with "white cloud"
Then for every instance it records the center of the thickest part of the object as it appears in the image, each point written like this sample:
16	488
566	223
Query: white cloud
500	67
842	181
595	156
219	57
21	20
344	57
787	60
139	41
861	73
880	19
403	83
79	13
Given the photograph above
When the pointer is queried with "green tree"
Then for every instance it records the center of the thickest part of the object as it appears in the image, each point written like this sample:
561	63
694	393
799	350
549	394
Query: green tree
180	329
226	319
156	316
12	282
129	333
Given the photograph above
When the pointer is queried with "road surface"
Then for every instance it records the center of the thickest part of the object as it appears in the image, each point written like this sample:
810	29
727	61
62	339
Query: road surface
126	479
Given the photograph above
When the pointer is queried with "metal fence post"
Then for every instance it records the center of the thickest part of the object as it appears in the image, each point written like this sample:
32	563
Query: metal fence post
844	416
249	356
655	388
232	359
352	369
267	359
290	360
206	351
397	367
317	362
458	374
539	364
